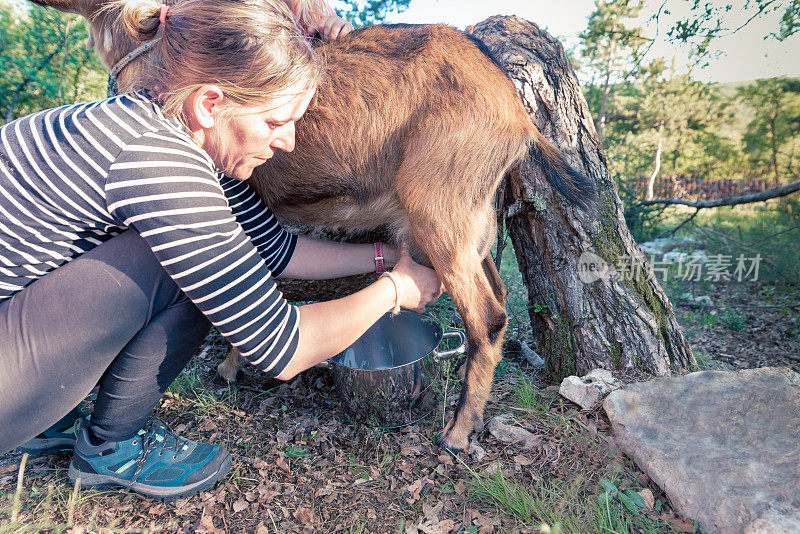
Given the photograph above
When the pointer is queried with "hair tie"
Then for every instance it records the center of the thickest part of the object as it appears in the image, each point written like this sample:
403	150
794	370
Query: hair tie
163	16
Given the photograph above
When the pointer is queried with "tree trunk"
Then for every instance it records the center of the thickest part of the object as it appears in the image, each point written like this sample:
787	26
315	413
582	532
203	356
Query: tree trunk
774	143
652	181
601	119
617	318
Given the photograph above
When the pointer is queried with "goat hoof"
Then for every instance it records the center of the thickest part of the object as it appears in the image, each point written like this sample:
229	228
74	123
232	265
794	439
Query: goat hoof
454	441
450	448
229	375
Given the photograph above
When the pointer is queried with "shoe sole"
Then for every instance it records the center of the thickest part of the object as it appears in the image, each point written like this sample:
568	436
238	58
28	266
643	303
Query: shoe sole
159	493
49	446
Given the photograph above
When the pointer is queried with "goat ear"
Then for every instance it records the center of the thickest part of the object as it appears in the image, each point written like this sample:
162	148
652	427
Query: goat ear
81	7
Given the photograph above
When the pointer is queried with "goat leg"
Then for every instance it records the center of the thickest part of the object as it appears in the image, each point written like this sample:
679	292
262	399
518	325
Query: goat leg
485	323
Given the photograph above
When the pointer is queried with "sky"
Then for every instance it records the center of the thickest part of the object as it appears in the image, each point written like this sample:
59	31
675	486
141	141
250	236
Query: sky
744	55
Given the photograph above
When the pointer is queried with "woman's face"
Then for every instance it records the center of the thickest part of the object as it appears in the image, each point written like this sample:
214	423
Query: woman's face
244	137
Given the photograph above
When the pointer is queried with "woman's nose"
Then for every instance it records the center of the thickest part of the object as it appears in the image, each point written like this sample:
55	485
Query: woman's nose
284	137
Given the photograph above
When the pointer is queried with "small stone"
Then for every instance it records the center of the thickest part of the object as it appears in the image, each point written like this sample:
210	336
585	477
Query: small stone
500	428
701	299
696	257
589	390
775	520
648	498
476	450
661	245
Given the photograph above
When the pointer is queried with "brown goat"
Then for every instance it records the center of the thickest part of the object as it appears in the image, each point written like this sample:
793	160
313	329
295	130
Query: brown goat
413	128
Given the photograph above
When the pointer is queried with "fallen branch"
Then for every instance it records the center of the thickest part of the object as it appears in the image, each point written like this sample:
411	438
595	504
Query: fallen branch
772	235
728	201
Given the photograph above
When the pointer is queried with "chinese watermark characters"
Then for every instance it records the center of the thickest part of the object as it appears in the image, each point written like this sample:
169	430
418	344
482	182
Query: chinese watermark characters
683	266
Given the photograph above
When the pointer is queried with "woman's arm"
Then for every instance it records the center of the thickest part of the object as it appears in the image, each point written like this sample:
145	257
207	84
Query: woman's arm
314	259
327	328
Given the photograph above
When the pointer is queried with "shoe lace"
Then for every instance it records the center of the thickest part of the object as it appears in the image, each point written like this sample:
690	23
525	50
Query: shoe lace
170	441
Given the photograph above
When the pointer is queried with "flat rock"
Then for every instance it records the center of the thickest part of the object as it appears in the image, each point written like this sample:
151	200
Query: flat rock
587	391
696	257
660	245
702	299
724	446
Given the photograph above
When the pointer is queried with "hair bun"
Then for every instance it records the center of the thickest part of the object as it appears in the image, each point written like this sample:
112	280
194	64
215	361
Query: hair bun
140	18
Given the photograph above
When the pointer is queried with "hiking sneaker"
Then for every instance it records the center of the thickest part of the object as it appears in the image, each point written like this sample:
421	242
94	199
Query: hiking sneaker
60	438
156	463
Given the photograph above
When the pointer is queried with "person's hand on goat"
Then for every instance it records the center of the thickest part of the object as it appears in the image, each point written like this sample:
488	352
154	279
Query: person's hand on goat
333	27
417	285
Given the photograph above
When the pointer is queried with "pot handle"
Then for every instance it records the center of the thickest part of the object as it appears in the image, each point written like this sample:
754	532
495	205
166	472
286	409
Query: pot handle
458	351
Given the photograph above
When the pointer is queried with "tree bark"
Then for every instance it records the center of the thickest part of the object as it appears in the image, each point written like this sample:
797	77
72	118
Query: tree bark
617	319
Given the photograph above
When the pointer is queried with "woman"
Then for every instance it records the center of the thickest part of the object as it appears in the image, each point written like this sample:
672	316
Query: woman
126	227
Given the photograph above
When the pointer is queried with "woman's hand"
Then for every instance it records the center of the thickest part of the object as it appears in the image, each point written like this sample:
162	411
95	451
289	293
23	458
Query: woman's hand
333	27
417	285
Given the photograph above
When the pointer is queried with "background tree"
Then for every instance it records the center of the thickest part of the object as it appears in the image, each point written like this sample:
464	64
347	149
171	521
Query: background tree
365	12
682	116
771	139
44	60
610	50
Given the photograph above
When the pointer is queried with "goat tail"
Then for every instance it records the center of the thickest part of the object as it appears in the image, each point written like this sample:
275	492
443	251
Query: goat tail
577	188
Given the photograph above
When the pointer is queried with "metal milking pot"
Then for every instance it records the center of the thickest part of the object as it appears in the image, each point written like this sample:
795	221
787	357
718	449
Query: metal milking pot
390	376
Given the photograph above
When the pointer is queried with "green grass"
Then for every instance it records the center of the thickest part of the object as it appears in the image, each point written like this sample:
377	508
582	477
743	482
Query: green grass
524	395
620	511
562	507
192	388
53	509
540	503
733	319
704	362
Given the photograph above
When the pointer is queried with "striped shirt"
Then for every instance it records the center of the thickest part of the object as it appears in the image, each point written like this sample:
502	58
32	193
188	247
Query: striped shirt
75	176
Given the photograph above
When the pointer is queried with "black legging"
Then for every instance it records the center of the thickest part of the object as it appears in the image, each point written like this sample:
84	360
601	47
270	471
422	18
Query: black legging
113	316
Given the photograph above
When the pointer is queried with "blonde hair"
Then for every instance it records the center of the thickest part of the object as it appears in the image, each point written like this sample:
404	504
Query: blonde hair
251	49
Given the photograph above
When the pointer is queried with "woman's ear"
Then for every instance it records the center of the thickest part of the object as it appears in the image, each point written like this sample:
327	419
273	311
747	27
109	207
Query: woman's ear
203	106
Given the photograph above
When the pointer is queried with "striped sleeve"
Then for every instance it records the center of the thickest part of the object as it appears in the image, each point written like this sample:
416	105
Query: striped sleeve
273	242
164	187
